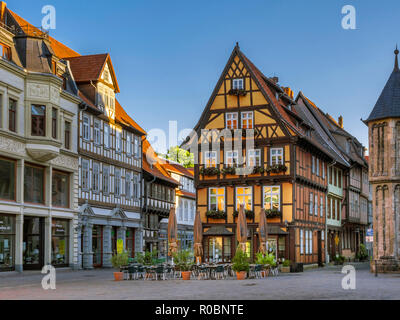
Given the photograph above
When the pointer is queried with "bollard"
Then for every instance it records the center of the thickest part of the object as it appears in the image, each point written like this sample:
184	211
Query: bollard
376	269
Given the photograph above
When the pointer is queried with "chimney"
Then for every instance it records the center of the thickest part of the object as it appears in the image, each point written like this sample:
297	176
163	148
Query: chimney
3	6
341	122
289	92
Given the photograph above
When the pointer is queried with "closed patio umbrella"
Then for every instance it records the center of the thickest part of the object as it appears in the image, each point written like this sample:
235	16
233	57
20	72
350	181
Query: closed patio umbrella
198	237
242	229
263	232
172	233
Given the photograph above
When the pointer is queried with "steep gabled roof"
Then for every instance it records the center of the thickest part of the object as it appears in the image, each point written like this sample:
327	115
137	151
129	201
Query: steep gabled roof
153	165
388	105
124	118
90	68
177	168
60	50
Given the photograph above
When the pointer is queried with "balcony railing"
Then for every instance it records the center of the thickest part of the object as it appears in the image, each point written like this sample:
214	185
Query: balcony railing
27	30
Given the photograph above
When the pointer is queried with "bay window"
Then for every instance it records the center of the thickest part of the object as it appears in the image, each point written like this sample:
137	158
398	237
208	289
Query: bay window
60	189
272	198
38	120
217	199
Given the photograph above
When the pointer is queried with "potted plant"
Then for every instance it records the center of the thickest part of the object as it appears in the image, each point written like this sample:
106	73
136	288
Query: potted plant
216	214
285	266
184	261
119	261
148	258
339	260
362	254
241	264
249	214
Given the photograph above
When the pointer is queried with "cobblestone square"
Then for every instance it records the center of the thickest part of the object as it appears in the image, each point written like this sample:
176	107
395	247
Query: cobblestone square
317	284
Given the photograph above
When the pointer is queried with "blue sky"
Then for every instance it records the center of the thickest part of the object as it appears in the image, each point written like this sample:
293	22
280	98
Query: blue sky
168	55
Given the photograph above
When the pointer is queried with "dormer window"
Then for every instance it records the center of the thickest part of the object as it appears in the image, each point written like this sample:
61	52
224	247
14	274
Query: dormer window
237	84
5	51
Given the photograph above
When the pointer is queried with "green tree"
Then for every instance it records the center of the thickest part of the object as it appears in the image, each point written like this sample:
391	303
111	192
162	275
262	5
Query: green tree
185	158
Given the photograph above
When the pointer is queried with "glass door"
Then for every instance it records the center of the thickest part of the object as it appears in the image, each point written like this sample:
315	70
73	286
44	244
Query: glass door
33	243
97	246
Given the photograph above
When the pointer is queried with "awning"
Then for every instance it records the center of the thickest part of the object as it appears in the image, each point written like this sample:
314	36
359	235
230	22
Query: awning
218	231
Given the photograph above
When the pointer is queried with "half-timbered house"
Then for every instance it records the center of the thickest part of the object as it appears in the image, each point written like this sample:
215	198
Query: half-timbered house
110	163
286	175
159	198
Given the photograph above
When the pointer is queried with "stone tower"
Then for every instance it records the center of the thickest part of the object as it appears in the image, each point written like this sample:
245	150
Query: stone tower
384	144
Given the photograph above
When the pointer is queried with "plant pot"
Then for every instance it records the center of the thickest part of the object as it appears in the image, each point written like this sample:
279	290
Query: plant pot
241	275
264	274
118	276
285	269
186	275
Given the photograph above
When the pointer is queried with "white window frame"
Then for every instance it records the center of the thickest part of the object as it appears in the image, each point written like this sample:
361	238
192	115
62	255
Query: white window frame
117	182
242	196
86	127
301	241
238	84
118	141
136	186
136	147
323	170
210	157
272	194
313	165
129	144
317	167
106	180
316	205
322	207
246	116
254	155
107	135
307	238
96	177
128	185
85	178
232	158
311	246
96	132
232	116
216	196
279	153
311	211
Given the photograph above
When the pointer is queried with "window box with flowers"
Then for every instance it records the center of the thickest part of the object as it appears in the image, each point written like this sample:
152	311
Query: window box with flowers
216	214
237	92
229	171
211	171
249	214
273	213
277	168
258	170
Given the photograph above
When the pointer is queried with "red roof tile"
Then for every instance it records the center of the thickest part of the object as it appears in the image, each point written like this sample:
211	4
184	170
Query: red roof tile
86	68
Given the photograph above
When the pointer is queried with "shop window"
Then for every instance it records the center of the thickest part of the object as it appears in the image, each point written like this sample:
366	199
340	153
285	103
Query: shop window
272	198
244	196
130	242
7	179
34	184
7	242
60	189
217	199
38	120
60	241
